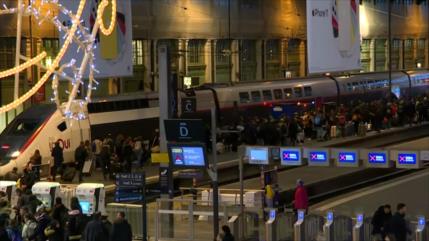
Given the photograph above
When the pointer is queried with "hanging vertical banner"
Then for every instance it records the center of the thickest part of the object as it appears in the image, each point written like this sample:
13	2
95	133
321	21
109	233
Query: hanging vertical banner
113	53
333	35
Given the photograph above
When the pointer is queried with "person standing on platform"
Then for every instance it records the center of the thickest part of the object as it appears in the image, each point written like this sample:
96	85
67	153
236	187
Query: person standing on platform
398	227
301	196
94	230
227	235
80	156
57	154
379	222
121	229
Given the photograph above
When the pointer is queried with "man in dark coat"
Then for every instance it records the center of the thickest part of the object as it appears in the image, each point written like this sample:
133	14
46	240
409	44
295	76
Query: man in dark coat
380	220
80	156
398	227
95	230
57	154
121	229
59	212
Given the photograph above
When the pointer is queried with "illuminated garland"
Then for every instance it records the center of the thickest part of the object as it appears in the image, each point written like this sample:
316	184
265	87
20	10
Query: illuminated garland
77	34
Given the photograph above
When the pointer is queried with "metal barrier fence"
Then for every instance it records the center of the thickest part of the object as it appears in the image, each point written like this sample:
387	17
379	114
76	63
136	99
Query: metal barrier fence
313	227
133	213
367	228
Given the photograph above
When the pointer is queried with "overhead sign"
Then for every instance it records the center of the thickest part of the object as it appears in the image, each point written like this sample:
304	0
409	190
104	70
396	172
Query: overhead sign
187	155
290	156
257	155
184	130
346	157
333	34
317	157
189	105
113	53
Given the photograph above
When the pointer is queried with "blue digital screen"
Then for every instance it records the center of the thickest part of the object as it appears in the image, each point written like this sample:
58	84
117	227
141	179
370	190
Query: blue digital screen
347	157
188	156
377	158
300	215
290	157
330	216
85	205
407	158
318	156
258	155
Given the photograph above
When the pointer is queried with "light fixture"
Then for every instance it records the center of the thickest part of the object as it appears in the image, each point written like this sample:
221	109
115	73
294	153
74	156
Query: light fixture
419	65
15	154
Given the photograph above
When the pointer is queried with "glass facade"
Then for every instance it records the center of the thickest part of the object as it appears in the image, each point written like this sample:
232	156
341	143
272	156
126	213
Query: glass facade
223	61
248	61
272	58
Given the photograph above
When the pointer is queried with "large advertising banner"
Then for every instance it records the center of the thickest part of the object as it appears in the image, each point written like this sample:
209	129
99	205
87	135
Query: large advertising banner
113	53
333	35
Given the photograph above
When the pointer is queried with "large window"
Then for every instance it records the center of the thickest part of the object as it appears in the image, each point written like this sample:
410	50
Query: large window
223	60
365	55
196	60
293	57
380	54
272	56
51	47
248	60
7	53
396	46
137	52
409	60
420	58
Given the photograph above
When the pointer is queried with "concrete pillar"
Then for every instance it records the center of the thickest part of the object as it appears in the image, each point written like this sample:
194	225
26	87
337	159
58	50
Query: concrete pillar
235	59
154	80
185	56
208	61
372	55
213	58
401	54
283	55
426	64
260	55
182	46
147	55
302	59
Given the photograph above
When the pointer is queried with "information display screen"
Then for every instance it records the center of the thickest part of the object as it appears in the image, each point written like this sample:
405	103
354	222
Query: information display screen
187	155
301	215
330	216
407	158
290	156
347	158
85	205
318	156
377	158
258	155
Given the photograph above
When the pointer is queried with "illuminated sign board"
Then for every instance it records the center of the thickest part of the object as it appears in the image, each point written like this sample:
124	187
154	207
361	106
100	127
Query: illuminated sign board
187	155
257	155
290	156
407	159
346	158
317	157
377	158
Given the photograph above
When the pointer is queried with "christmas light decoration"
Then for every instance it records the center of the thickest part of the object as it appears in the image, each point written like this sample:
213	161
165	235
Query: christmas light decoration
78	34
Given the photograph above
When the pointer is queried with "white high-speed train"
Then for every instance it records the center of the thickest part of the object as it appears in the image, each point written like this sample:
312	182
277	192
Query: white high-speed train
137	114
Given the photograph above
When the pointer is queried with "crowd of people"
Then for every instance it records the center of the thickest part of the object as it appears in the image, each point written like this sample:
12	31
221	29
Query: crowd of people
353	118
30	220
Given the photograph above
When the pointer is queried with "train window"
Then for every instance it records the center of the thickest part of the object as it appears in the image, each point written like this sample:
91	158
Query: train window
297	91
288	93
307	91
62	127
349	87
244	97
23	127
278	95
267	95
256	96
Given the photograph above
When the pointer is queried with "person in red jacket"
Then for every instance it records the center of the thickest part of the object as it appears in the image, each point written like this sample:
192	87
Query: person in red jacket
301	197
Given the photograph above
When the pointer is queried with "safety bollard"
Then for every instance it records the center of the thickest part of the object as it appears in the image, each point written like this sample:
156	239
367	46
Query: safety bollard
358	228
298	227
270	226
421	229
328	227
